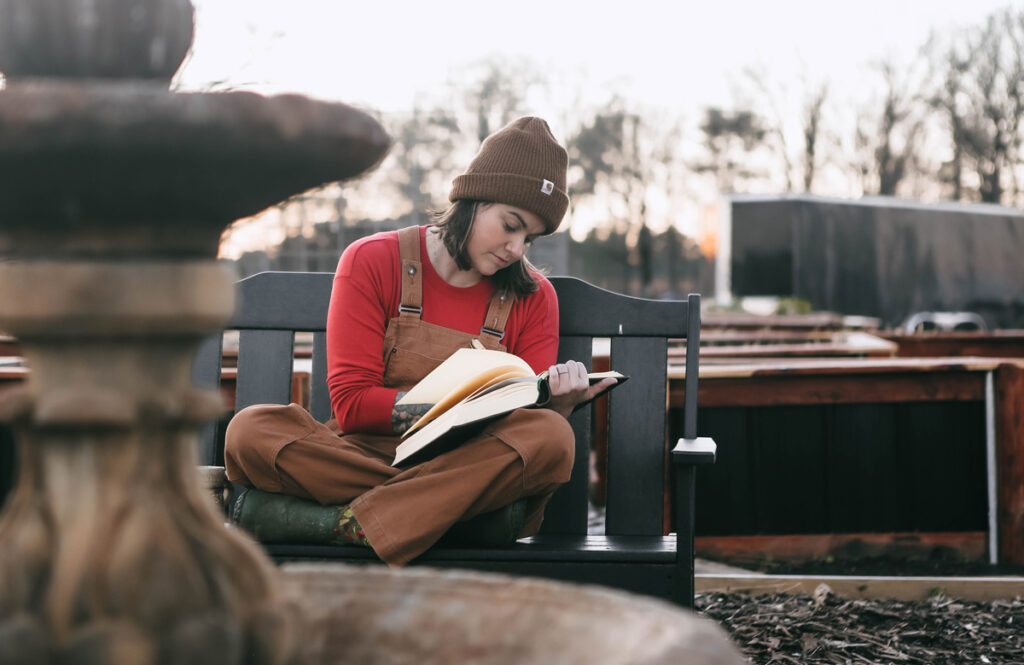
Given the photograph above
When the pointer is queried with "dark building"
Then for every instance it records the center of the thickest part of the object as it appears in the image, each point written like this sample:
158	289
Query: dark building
880	257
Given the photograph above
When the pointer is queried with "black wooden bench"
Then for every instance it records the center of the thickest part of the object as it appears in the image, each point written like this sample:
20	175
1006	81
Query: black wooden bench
633	554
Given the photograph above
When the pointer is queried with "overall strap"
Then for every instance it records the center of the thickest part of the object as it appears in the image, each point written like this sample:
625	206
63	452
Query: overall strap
497	314
411	306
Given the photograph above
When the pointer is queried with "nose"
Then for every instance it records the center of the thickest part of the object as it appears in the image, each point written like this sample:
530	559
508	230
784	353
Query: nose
516	247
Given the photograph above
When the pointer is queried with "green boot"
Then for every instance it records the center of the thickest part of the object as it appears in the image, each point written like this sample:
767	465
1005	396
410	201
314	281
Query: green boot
279	518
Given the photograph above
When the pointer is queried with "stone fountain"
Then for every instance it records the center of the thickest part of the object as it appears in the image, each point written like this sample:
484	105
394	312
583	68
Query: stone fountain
113	194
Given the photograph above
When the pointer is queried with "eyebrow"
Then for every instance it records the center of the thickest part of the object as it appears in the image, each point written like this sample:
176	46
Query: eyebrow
522	223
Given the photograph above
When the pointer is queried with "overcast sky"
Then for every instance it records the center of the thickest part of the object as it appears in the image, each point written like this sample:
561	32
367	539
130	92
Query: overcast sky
680	54
660	55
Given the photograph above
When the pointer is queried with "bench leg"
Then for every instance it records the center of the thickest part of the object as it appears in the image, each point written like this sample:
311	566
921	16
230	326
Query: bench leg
683	502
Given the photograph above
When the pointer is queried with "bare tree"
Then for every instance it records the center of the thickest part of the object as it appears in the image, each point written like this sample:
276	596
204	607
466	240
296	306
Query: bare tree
797	144
422	157
616	159
729	139
993	133
948	99
814	103
495	92
435	139
886	141
978	89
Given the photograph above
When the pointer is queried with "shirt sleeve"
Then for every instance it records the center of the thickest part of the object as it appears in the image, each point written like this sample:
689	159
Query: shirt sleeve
356	322
536	325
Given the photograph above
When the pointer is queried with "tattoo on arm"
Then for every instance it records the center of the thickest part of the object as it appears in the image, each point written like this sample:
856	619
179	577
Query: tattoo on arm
403	416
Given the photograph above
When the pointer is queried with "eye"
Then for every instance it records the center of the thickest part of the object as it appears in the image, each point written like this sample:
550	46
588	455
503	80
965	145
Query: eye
509	228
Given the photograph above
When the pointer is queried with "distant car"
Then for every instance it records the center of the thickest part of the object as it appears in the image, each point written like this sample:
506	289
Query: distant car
943	322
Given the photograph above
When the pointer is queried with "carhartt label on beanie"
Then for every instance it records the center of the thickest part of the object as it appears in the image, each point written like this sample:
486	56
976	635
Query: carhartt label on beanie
522	165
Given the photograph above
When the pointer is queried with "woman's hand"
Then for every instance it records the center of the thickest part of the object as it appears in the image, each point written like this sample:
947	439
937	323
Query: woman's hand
570	386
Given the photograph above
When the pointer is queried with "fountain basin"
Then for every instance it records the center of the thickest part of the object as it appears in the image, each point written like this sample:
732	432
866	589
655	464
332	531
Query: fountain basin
115	156
371	614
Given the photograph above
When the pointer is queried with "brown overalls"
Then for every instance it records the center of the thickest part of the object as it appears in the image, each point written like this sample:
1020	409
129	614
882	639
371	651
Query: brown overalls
527	453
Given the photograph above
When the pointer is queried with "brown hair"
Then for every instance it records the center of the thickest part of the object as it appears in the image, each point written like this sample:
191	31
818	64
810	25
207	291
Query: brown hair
455	224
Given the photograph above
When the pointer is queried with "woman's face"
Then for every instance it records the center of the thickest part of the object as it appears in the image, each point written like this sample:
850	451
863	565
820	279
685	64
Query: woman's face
500	235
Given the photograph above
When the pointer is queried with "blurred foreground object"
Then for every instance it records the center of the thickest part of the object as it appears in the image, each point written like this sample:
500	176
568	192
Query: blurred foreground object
434	617
113	195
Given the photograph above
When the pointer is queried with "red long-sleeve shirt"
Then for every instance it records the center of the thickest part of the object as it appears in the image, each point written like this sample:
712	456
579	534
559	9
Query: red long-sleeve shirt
366	295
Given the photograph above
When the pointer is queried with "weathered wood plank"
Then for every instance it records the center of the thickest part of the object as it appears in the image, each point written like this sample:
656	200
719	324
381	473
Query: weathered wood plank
725	488
841	388
788	470
980	589
1009	384
969	545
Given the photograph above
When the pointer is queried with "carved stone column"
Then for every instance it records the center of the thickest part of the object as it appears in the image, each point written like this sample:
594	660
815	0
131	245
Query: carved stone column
113	195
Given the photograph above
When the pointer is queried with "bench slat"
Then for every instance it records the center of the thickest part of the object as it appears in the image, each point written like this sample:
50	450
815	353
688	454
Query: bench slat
636	439
206	374
585	309
539	548
283	300
319	397
568	510
265	360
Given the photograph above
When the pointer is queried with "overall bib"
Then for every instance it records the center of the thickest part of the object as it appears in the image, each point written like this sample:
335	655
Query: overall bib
527	453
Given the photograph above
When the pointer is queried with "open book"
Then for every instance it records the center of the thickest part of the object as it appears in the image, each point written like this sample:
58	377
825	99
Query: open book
469	388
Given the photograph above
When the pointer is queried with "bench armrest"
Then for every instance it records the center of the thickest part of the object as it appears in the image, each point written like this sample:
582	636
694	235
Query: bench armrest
701	450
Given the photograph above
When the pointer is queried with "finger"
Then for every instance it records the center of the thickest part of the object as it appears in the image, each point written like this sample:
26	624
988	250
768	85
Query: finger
558	379
553	378
580	378
572	371
600	387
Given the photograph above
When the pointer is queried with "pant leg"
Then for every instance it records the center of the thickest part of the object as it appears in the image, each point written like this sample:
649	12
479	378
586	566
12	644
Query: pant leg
284	449
528	453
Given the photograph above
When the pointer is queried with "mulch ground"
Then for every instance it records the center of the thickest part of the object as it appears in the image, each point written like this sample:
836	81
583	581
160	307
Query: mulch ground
824	628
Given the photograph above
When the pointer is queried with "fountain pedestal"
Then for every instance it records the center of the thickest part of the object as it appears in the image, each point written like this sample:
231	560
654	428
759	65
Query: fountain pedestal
113	195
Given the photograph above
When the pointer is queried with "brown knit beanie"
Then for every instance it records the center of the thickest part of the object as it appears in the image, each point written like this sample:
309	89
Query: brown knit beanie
521	165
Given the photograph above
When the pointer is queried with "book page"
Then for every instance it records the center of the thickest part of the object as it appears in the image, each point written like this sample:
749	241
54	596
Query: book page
459	369
470	388
499	401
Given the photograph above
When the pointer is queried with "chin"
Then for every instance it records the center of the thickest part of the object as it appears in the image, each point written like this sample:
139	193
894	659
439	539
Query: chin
489	269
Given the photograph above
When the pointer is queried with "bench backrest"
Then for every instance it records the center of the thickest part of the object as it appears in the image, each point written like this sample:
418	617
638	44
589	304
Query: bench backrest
273	306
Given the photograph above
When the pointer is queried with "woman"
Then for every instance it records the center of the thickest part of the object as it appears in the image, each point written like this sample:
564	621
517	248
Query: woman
402	302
